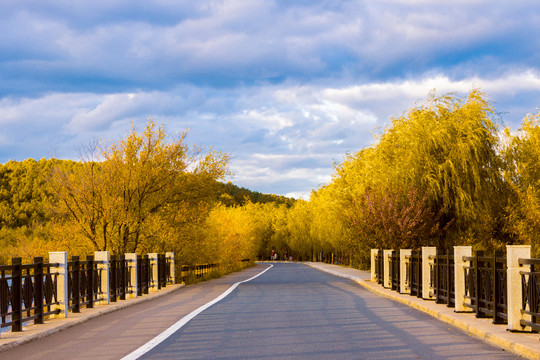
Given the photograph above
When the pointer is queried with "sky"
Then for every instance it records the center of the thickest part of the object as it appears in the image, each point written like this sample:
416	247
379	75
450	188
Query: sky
286	87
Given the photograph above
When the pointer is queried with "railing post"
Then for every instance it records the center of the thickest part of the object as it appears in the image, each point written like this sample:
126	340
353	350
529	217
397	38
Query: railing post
427	290
113	277
146	274
75	289
459	276
90	281
387	263
60	258
404	289
16	291
122	273
170	261
132	273
514	286
38	290
153	264
374	253
139	275
102	259
162	264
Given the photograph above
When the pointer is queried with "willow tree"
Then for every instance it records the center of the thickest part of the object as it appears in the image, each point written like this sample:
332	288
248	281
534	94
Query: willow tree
124	194
522	155
432	177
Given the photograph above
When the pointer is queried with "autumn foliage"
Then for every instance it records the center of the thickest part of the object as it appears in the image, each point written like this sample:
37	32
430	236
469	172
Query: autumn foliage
443	173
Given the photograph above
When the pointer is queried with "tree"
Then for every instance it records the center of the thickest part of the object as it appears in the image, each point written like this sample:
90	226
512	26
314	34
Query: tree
522	156
121	191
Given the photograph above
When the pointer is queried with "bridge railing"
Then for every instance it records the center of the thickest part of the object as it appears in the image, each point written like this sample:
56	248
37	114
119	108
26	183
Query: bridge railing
415	273
486	286
503	288
442	278
84	283
198	271
51	289
394	270
27	292
530	284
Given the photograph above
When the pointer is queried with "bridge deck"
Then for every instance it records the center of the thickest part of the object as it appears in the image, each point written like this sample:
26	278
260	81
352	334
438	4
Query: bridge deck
110	332
116	334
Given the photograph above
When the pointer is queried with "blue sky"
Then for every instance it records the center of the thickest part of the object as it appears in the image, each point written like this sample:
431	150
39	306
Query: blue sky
286	87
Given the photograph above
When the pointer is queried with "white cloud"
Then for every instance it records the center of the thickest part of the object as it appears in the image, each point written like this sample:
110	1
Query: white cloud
285	87
283	138
162	44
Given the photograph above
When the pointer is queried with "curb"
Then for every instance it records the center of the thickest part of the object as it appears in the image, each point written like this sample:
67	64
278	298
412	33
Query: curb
9	340
475	331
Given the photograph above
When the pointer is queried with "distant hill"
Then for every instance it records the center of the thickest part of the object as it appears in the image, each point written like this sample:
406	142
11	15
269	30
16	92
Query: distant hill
231	195
25	196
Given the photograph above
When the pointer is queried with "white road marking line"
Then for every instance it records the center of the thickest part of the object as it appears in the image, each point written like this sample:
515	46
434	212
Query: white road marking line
180	323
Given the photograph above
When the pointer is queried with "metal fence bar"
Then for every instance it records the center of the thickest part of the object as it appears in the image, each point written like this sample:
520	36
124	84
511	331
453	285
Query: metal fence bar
531	293
16	292
394	273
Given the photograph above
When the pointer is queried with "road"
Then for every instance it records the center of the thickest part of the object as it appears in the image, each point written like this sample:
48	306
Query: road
296	312
291	311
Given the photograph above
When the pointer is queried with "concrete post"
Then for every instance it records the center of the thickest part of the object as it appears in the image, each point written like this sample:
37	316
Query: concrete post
153	258
62	294
387	282
514	290
132	271
170	259
374	253
459	276
405	287
427	290
102	257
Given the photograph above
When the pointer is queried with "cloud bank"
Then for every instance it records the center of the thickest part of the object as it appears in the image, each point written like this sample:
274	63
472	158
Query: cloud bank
286	87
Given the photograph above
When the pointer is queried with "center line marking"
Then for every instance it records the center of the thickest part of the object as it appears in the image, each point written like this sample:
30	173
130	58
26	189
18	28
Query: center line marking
183	321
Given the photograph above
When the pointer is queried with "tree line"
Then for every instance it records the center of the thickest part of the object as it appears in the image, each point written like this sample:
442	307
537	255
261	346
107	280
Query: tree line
443	173
148	192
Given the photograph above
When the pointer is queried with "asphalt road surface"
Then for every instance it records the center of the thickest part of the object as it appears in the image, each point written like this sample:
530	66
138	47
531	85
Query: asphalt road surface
295	312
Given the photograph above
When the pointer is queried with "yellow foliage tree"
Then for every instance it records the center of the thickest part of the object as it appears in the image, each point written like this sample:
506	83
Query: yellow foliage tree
522	155
120	194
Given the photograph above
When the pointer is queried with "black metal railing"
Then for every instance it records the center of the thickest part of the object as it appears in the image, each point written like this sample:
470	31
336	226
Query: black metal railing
84	283
144	274
442	280
394	270
162	271
119	278
27	292
530	286
485	286
199	271
379	267
415	273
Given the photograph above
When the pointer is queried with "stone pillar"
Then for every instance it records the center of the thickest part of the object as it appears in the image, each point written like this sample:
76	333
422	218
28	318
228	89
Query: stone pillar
459	276
62	295
427	251
102	259
132	271
387	282
374	253
405	288
170	259
153	258
514	290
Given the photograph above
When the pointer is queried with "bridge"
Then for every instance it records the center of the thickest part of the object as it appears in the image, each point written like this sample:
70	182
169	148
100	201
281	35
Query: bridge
272	310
